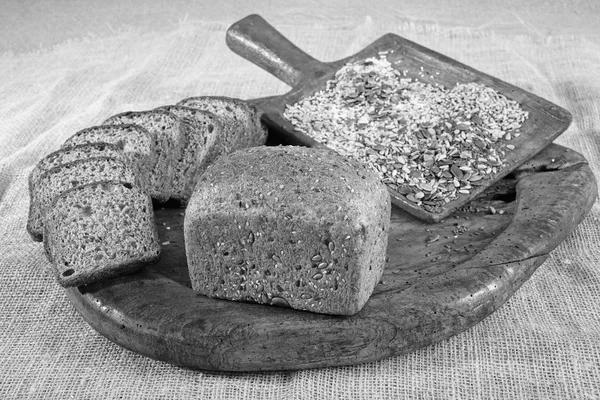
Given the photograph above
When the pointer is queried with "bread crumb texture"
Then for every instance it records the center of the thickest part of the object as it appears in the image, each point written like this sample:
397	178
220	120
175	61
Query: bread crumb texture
288	226
99	230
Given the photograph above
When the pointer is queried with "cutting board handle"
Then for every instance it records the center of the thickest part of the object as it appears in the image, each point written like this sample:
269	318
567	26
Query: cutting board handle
260	43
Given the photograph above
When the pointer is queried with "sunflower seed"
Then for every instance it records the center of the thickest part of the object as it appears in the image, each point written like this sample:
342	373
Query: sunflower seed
331	246
279	302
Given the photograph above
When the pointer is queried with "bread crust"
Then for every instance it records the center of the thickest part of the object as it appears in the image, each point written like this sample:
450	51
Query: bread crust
293	226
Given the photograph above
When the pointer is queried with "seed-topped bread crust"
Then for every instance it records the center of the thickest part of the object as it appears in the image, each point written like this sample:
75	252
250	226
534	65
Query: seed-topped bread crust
288	225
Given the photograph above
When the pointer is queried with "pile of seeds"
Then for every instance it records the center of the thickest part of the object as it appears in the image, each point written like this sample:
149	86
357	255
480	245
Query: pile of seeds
427	142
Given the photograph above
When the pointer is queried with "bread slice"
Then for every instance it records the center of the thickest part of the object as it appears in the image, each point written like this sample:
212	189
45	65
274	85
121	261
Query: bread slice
202	147
57	180
100	230
242	122
168	132
136	143
293	226
62	156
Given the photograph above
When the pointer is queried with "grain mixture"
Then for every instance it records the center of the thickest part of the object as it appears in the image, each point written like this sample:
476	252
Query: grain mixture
427	142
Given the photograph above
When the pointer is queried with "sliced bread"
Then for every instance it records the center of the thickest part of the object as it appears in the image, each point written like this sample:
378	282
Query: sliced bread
57	180
136	143
168	132
292	226
242	122
100	230
202	147
62	156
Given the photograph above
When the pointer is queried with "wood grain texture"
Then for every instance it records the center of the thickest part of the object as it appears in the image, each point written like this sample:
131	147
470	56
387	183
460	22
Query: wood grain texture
257	41
440	279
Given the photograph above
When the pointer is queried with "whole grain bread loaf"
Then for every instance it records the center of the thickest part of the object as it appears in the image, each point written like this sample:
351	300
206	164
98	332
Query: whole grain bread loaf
136	143
293	226
48	165
243	127
100	230
132	157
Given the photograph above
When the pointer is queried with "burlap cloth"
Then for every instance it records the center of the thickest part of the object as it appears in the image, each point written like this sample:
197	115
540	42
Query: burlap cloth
544	343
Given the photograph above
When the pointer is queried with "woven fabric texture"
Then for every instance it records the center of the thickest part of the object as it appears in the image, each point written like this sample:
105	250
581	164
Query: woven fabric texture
544	343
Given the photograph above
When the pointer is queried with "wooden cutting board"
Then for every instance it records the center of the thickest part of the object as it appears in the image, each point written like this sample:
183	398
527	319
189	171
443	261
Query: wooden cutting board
254	39
440	280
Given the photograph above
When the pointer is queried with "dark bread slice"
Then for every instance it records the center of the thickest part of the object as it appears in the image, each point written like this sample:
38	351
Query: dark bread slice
202	147
136	143
100	230
242	122
55	159
57	180
168	132
294	226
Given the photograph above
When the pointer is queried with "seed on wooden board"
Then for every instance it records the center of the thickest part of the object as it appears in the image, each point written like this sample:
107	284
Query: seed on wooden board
407	130
432	238
411	198
322	265
427	187
316	258
456	171
317	276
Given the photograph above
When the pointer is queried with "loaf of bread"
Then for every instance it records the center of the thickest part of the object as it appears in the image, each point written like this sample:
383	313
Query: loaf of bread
168	132
243	127
135	143
133	157
100	230
291	226
41	179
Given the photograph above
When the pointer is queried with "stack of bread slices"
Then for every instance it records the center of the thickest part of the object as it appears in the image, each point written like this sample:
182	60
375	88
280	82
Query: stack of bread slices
92	200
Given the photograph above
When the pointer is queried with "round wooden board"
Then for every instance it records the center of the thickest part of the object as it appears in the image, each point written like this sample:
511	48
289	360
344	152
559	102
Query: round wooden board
441	279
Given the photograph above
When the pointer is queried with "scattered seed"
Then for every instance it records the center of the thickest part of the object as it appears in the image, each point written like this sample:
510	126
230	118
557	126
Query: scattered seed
432	238
316	258
317	276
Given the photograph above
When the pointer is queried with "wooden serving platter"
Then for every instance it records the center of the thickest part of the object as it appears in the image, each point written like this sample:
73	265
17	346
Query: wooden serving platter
440	279
254	39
